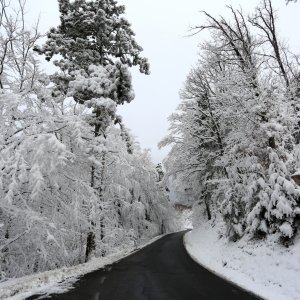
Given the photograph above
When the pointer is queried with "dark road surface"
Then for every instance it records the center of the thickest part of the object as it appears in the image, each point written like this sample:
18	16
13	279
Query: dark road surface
161	271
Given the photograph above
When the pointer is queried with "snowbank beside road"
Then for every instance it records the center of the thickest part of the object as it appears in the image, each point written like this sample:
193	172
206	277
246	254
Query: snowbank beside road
264	267
59	280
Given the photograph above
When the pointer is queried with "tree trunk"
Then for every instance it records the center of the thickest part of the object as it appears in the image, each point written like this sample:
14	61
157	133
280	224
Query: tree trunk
90	245
207	209
91	237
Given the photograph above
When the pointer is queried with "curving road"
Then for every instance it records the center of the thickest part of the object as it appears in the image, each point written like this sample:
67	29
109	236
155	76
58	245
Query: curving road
161	271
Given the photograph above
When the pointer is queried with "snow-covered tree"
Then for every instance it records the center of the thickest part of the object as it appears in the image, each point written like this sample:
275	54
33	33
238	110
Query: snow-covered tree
246	120
196	138
73	182
96	46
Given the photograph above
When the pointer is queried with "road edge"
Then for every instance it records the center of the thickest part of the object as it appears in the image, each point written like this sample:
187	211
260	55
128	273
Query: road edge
185	243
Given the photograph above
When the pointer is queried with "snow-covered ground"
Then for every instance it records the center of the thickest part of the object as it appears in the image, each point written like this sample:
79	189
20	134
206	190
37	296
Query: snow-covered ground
60	280
264	267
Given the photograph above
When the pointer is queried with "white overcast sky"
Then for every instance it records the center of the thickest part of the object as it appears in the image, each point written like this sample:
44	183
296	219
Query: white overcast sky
161	27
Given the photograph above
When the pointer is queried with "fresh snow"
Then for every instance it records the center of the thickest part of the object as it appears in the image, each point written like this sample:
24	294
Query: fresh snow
59	280
264	267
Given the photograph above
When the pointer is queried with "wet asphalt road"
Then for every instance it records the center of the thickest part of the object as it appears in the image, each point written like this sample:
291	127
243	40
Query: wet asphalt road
161	271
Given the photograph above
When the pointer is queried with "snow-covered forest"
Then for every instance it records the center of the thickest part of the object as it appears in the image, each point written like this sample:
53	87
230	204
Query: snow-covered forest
235	135
77	190
74	183
235	152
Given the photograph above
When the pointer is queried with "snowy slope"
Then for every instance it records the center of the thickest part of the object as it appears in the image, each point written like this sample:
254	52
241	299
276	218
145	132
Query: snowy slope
264	267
